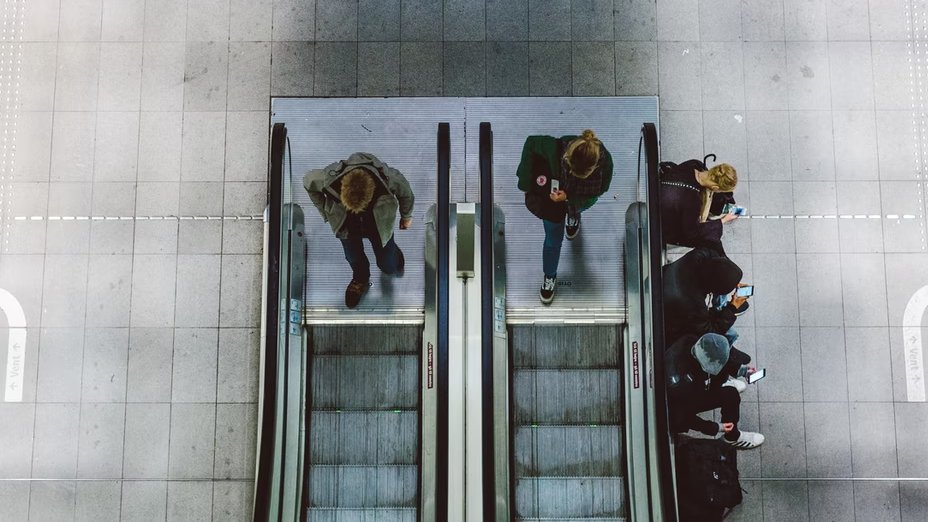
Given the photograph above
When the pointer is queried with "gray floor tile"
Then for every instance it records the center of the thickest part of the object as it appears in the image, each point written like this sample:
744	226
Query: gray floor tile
507	20
421	21
379	20
148	429
765	75
724	88
724	135
239	303
201	198
26	237
97	501
681	135
203	154
232	500
901	198
40	21
54	448
805	20
211	20
851	75
812	145
244	198
235	440
116	146
157	198
896	142
197	291
592	20
635	20
507	68
548	20
763	20
905	274
864	289
855	145
160	139
675	20
828	439
155	237
40	77
636	68
679	75
768	145
150	364
464	20
123	20
22	276
914	500
778	350
77	76
824	344
593	65
464	69
784	450
294	20
153	297
249	73
144	501
246	133
549	68
820	281
201	237
772	235
380	62
72	146
190	501
65	295
720	20
100	441
165	21
68	237
112	237
195	356
877	501
848	19
238	365
808	75
250	20
34	132
420	69
815	198
52	500
14	500
242	237
206	76
860	198
889	66
831	500
786	501
752	504
336	20
292	68
911	428
888	20
873	449
106	354
193	428
869	372
163	73
120	76
17	430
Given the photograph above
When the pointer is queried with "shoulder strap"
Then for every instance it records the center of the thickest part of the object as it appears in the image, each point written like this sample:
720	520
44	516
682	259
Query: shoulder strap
681	185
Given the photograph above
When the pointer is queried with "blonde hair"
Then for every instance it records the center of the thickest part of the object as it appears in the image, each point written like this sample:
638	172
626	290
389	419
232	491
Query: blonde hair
723	176
582	154
357	190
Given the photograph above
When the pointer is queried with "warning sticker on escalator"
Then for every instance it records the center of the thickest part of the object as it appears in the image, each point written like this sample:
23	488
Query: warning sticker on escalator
429	365
635	366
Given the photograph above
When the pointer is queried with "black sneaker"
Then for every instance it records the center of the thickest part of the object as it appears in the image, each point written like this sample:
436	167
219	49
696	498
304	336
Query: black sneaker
401	265
547	289
355	290
743	308
573	226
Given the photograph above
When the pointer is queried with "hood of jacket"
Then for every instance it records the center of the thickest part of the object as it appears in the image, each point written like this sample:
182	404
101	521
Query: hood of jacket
712	352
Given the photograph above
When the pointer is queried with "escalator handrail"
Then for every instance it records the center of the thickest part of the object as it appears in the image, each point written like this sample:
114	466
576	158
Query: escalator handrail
486	319
656	249
265	464
443	257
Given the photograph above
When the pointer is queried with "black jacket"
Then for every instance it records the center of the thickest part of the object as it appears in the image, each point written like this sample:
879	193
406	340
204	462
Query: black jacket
681	200
687	282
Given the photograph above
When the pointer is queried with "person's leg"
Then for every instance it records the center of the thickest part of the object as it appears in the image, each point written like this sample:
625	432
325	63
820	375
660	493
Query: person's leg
572	222
354	254
389	257
729	400
731	335
551	251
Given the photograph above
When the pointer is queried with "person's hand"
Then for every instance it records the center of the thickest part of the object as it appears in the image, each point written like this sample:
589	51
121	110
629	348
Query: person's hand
737	301
751	370
728	218
558	195
728	426
405	223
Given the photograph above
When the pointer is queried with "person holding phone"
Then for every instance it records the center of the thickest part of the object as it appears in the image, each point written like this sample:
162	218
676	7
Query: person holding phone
690	193
561	177
703	373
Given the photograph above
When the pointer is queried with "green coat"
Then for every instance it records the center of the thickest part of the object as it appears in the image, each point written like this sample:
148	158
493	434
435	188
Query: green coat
318	183
540	157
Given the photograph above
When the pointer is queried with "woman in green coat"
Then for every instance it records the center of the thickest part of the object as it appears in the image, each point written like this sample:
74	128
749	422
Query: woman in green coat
561	177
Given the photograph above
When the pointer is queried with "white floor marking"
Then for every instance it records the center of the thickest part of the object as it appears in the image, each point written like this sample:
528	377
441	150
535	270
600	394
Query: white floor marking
912	342
16	347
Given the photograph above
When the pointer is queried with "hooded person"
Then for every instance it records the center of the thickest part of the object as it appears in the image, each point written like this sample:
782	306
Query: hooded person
703	373
700	274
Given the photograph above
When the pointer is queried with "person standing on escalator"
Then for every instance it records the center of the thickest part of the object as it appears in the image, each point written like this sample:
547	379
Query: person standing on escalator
359	198
561	177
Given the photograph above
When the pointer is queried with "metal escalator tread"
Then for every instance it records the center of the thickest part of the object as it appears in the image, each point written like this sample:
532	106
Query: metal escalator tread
567	416
364	424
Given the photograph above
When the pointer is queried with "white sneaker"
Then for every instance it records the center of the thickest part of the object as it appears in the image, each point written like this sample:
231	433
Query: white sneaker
747	440
737	384
548	285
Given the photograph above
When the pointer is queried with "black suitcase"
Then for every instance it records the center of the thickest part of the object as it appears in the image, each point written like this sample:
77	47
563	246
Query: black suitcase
707	479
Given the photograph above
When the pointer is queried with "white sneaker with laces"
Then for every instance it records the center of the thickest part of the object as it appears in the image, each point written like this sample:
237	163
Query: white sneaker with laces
547	289
747	440
737	384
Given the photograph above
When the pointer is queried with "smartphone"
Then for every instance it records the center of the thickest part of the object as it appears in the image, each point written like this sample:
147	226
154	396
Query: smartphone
745	291
758	375
735	209
555	185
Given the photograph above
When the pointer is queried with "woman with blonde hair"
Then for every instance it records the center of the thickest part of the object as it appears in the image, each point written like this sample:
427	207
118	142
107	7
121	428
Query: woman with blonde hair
692	199
561	177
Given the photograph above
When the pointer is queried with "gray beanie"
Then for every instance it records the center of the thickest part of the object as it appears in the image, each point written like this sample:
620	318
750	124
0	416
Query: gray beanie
712	351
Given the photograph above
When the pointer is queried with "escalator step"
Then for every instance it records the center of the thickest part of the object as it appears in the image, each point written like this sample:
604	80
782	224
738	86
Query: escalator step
363	486
570	497
361	515
565	451
565	347
356	340
365	382
364	438
566	396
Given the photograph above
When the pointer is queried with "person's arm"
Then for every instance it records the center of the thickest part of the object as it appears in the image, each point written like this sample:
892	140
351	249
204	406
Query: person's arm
706	427
525	171
712	320
312	182
400	188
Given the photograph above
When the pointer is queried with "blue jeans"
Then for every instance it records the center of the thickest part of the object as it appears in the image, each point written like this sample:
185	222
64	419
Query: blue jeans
388	256
551	251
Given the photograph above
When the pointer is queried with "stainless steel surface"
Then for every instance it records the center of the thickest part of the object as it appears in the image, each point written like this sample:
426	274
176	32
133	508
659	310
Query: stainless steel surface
469	311
457	393
465	239
292	357
501	425
428	390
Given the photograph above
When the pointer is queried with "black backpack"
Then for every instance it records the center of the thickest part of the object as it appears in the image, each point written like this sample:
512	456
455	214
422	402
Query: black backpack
707	479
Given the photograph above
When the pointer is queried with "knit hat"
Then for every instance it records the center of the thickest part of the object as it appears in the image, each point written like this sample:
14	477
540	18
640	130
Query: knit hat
720	275
712	351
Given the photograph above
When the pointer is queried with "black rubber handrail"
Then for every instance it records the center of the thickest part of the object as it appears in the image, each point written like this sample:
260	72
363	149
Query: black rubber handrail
264	473
443	258
486	319
656	249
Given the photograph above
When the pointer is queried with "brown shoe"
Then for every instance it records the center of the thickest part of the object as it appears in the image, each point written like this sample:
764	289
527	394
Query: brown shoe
354	292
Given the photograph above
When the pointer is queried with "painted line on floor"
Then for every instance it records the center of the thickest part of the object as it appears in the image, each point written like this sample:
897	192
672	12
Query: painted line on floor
16	347
912	343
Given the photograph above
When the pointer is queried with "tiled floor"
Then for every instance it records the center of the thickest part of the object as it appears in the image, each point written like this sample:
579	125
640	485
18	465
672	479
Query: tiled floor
141	353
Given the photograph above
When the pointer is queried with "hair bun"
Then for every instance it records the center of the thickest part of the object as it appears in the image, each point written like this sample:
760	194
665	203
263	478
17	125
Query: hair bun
588	135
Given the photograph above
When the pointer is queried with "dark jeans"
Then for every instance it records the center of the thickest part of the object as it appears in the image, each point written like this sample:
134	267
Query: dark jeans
554	238
725	397
388	256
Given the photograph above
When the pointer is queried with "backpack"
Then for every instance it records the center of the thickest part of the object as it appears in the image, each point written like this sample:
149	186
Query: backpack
707	479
